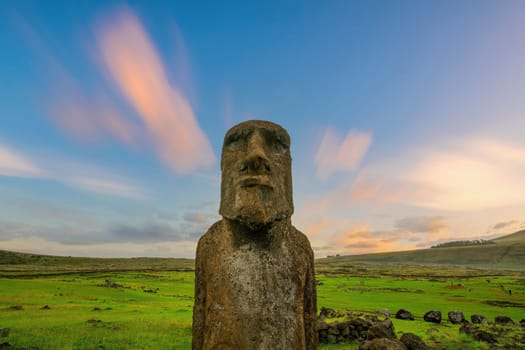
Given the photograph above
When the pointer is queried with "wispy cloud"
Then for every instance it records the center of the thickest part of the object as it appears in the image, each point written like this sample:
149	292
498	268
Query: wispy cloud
105	186
125	249
160	115
360	240
472	174
422	224
90	118
13	163
133	63
509	225
338	154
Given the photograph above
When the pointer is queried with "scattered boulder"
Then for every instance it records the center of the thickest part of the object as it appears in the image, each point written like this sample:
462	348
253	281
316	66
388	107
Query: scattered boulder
383	329
16	307
403	314
456	317
413	342
504	320
4	332
382	344
96	309
45	307
479	319
433	316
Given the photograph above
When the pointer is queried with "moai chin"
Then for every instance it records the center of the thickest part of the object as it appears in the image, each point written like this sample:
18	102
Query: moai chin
254	278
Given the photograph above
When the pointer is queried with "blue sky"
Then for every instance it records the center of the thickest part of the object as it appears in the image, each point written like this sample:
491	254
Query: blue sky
406	119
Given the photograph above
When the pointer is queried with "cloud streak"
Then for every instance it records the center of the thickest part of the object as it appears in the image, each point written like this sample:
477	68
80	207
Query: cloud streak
13	163
137	71
422	224
156	112
336	154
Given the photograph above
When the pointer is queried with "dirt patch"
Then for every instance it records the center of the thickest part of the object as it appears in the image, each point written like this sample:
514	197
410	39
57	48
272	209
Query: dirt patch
501	303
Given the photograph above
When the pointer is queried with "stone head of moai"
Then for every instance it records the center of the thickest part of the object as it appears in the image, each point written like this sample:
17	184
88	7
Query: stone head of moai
256	187
254	271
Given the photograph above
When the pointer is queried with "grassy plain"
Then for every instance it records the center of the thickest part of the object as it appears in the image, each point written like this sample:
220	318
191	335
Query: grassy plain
147	304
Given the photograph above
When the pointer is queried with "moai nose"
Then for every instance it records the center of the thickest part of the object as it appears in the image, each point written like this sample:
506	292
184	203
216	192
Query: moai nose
256	160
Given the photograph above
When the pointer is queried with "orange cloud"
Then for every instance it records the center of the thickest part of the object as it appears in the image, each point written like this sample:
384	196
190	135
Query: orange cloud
360	240
137	71
335	154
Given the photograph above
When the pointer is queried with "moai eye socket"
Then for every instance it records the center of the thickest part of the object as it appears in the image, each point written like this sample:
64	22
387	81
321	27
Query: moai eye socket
281	144
277	142
236	139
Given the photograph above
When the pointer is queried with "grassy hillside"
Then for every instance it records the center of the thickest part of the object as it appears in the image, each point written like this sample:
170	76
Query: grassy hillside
13	263
508	252
512	238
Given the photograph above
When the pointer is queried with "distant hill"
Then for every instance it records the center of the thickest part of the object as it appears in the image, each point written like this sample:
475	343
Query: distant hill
507	252
514	237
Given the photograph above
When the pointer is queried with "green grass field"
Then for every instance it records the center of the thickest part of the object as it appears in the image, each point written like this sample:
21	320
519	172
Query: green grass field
153	309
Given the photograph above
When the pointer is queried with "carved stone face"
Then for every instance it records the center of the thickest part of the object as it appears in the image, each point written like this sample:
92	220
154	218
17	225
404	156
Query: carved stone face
256	186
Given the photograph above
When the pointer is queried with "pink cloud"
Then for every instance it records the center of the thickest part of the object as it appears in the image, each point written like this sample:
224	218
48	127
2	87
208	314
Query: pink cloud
337	154
137	71
90	119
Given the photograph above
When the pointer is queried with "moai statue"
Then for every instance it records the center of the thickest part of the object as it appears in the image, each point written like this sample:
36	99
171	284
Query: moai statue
254	278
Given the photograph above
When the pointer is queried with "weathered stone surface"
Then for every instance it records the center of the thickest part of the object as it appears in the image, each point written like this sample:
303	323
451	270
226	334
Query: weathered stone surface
479	319
503	320
413	342
456	317
433	316
383	329
403	314
255	283
382	344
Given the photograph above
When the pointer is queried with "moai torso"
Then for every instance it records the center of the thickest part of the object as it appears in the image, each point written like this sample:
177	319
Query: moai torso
255	283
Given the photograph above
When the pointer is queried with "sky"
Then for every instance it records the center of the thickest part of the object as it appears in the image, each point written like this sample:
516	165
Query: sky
406	119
